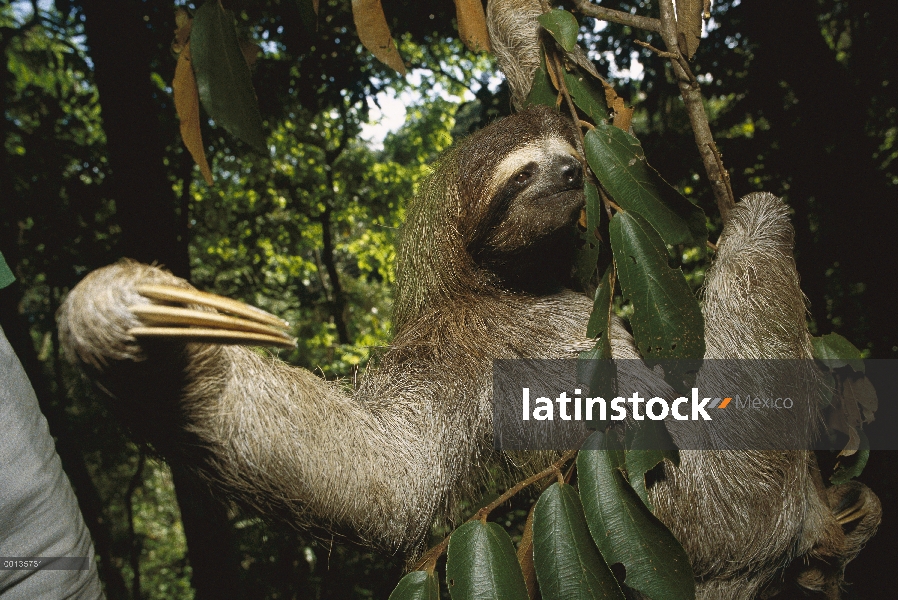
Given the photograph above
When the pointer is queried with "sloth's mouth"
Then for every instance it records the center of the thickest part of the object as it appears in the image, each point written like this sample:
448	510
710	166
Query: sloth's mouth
569	202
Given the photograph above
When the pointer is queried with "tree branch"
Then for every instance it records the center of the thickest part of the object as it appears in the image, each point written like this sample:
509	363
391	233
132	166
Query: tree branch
695	108
616	16
689	90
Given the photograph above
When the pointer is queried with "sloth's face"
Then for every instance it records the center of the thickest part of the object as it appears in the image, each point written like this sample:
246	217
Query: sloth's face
535	191
526	235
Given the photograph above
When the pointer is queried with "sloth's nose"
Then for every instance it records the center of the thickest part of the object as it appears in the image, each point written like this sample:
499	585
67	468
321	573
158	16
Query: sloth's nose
571	171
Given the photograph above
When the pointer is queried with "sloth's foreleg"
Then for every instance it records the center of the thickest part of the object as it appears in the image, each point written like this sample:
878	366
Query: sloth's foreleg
279	438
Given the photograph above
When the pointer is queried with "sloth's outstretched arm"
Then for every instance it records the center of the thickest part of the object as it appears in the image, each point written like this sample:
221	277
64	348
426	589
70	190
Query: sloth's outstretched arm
379	467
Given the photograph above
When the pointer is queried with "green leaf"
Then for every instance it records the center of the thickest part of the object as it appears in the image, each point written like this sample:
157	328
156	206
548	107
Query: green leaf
667	321
626	531
481	564
568	564
850	467
617	159
6	276
542	92
588	96
562	26
417	585
588	254
835	351
222	75
650	445
600	317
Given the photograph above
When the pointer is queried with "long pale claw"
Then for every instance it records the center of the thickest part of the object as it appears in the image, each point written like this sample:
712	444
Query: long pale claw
170	293
211	336
250	325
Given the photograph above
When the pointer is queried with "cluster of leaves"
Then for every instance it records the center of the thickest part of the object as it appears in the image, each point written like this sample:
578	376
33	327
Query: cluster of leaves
573	533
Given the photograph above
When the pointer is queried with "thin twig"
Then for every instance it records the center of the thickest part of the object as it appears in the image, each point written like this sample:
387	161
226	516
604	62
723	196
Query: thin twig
695	108
690	90
558	71
486	510
428	561
615	16
723	171
659	52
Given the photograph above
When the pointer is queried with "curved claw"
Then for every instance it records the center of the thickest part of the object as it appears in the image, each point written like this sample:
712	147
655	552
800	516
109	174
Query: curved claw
250	326
170	293
212	336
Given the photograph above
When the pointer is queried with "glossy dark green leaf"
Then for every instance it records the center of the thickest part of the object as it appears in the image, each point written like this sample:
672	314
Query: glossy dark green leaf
588	94
651	444
222	75
667	321
850	467
835	351
542	92
568	564
599	319
417	585
617	159
588	254
481	564
626	531
562	26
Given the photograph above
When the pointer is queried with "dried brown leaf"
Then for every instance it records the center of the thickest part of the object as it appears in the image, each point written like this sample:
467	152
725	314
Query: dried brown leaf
623	114
854	442
315	5
858	388
525	557
187	104
689	25
374	33
184	23
472	25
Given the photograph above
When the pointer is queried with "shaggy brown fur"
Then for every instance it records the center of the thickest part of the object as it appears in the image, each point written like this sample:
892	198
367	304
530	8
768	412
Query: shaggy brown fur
416	437
399	452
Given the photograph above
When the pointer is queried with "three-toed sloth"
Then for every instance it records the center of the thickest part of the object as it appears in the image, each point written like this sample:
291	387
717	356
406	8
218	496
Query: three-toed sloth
484	265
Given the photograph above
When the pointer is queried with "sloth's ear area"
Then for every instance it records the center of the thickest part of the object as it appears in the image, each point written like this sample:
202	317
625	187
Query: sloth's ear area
169	317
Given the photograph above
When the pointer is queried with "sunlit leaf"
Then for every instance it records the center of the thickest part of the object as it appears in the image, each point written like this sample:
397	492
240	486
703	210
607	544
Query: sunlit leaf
472	25
374	33
563	27
618	161
187	104
587	93
835	351
417	585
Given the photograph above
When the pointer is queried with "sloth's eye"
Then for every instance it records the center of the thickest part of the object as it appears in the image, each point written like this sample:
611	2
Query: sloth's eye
522	177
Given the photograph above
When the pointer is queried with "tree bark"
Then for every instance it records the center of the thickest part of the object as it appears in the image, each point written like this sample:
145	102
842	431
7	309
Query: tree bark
121	48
